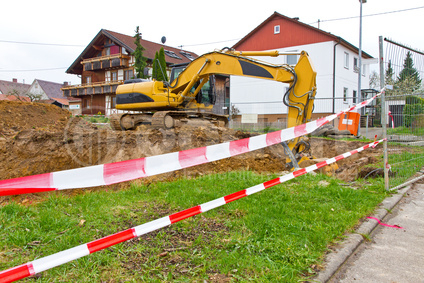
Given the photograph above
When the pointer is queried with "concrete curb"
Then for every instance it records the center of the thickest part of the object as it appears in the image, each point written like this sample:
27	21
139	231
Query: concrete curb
334	260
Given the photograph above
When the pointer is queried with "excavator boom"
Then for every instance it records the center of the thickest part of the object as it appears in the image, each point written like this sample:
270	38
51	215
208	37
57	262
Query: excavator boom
183	100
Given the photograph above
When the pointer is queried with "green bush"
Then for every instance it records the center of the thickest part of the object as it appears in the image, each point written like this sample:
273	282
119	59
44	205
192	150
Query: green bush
413	108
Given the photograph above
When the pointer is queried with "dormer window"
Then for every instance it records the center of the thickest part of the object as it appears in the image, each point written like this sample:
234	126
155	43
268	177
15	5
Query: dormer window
277	29
172	54
187	55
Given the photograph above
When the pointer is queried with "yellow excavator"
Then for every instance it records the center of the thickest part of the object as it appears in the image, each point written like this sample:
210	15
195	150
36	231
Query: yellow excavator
187	99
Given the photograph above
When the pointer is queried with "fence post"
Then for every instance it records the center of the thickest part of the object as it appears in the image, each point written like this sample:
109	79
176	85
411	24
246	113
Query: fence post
383	115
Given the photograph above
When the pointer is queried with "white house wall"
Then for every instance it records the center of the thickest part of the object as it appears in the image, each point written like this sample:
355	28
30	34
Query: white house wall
35	89
251	95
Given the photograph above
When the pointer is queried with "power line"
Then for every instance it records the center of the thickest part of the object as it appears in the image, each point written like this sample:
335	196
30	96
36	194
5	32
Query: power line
211	42
370	15
189	45
35	70
40	43
330	20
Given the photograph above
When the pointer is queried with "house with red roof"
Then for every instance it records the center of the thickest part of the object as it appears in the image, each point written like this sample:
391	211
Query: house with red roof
107	62
46	90
51	92
335	60
14	91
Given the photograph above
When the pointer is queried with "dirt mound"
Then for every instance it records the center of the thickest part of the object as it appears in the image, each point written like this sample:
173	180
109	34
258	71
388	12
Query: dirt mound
43	138
16	116
39	138
34	152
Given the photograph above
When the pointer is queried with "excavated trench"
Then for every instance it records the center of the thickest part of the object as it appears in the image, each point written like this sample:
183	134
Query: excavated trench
38	138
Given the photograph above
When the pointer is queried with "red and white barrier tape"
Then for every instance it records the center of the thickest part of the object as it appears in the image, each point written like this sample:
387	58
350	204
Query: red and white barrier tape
112	173
384	224
65	256
393	121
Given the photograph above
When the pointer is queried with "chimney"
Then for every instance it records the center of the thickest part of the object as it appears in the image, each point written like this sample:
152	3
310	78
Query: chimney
15	80
65	83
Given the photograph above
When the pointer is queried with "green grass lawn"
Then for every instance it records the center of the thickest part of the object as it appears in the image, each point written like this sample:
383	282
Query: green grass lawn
278	235
417	131
405	162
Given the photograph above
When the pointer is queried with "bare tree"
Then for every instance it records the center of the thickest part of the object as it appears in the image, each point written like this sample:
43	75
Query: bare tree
234	111
374	80
20	95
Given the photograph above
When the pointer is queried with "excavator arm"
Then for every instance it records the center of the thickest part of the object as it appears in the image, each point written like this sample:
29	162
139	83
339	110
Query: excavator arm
298	98
181	93
301	78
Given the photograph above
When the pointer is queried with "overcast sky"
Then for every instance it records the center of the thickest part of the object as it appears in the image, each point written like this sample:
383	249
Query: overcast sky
71	25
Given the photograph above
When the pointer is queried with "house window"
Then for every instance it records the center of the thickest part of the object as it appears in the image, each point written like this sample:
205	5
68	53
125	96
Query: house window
172	54
107	51
277	29
355	96
114	49
88	80
114	76
86	104
128	74
346	60
345	90
187	55
291	59
113	102
355	65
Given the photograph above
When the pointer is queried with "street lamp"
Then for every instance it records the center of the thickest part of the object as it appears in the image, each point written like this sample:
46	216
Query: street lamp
360	50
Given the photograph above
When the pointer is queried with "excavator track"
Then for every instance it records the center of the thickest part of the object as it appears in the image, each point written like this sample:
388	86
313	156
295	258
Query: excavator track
127	121
166	120
171	119
115	122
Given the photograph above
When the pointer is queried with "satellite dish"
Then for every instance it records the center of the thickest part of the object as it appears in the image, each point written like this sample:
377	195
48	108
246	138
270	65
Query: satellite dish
163	39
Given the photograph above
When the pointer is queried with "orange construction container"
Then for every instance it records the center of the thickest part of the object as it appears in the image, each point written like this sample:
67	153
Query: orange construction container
350	122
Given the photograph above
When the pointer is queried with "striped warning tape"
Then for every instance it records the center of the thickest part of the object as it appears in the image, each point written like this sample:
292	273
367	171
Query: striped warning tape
112	173
65	256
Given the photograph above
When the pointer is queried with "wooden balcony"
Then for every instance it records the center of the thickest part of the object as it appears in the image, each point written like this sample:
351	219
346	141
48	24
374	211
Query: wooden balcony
106	62
91	89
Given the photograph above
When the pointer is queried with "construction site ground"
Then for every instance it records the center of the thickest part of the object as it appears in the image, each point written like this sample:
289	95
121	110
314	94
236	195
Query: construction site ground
39	138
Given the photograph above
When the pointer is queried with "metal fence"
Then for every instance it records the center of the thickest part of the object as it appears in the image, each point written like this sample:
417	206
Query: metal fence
405	135
401	72
397	115
322	107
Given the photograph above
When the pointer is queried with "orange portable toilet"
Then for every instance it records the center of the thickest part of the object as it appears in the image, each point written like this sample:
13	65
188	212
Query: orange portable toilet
350	121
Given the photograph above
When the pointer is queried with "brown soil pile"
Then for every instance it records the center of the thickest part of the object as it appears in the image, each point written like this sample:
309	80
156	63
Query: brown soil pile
39	138
16	116
352	167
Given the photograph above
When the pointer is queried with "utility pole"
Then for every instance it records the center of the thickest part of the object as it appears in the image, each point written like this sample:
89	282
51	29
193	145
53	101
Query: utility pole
360	51
383	115
360	63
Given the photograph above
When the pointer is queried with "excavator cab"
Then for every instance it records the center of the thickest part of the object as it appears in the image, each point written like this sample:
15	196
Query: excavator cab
176	70
206	95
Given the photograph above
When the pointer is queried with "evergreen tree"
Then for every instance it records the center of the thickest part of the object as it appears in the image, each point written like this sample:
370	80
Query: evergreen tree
408	79
159	66
389	74
140	61
388	79
155	71
162	61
